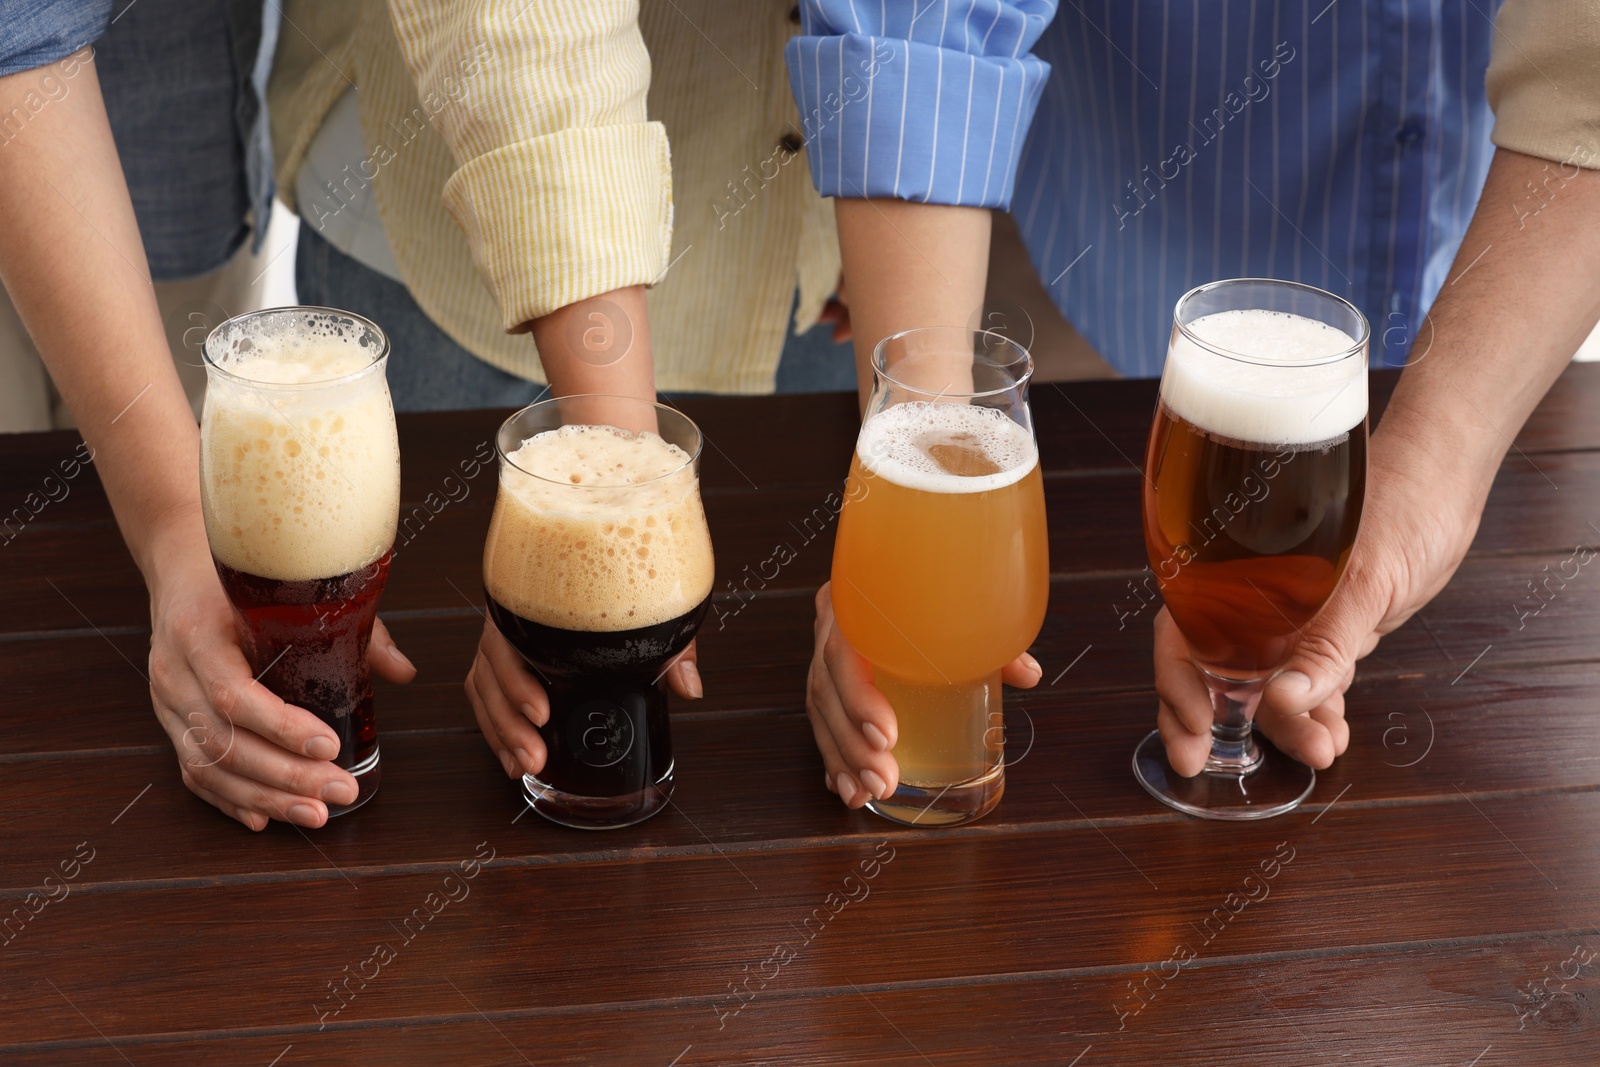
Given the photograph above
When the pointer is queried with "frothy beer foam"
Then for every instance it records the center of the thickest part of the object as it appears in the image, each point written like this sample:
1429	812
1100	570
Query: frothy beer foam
1271	401
610	536
946	448
299	483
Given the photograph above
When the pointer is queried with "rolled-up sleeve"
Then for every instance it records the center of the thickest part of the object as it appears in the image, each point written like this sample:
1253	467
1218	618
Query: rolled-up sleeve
563	187
35	33
1544	80
918	100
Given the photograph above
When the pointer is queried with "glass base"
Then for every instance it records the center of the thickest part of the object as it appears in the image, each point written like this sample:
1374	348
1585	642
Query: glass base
1277	785
598	813
369	775
949	805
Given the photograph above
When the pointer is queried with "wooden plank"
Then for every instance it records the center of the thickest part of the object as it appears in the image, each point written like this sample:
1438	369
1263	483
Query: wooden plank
1537	506
754	442
1409	1004
939	908
755	782
755	652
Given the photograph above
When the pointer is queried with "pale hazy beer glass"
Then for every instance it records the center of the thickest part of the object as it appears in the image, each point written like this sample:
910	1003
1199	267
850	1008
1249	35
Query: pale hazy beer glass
1255	474
598	570
300	487
941	571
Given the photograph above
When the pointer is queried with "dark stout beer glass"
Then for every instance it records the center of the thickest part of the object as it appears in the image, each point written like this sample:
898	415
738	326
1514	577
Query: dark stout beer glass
598	570
300	486
1255	475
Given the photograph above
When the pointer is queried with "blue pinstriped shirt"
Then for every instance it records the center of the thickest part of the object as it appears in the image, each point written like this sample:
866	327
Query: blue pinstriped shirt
1147	146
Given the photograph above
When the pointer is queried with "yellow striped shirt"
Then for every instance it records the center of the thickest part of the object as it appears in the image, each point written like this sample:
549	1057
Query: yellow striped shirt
517	168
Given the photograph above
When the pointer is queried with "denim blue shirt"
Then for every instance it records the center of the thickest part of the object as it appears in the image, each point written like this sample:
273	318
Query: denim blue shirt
1174	142
183	84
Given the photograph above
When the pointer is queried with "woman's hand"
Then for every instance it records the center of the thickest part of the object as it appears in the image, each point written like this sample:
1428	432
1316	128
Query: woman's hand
852	721
510	704
240	748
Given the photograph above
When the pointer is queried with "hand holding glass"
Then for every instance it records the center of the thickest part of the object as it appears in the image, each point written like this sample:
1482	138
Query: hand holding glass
300	487
1255	475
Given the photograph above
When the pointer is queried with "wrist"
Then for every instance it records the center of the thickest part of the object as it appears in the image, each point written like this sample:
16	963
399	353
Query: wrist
598	345
174	544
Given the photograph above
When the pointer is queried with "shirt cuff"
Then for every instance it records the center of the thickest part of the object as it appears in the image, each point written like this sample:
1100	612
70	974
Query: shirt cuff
886	117
37	35
1544	82
567	216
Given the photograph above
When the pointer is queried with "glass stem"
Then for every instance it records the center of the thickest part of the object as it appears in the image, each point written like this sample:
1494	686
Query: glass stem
1233	710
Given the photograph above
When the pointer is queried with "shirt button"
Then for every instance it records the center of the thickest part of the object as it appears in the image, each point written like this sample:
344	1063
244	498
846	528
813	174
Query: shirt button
1409	134
790	143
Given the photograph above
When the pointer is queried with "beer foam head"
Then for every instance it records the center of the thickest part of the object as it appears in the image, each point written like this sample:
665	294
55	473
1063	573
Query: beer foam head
299	461
1283	395
598	529
946	448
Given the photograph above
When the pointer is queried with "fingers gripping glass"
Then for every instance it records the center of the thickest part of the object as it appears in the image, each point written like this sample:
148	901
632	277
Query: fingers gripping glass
1255	475
598	570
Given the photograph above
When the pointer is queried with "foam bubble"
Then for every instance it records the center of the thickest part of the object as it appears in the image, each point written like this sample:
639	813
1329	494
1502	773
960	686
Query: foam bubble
946	448
299	483
610	536
1279	402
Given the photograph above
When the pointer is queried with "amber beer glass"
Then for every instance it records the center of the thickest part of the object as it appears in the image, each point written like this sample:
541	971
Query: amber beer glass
598	570
300	487
1255	475
940	572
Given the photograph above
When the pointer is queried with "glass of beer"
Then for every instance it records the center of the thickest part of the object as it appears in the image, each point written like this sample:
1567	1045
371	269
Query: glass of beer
941	569
300	487
1255	474
598	570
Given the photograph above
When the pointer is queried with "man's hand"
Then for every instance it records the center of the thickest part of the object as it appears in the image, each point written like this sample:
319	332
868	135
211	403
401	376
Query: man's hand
240	748
510	704
1415	529
852	721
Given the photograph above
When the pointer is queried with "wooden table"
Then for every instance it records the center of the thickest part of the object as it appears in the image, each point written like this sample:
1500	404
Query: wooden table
1437	901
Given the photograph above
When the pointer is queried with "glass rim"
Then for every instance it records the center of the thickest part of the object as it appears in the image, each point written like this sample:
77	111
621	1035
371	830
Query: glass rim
1359	345
879	370
287	309
694	456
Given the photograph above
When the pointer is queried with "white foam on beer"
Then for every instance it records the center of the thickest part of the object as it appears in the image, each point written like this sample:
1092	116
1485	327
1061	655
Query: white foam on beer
1277	399
299	483
610	535
901	443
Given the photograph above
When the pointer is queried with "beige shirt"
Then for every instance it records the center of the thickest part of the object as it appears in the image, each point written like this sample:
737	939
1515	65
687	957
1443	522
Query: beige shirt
1544	80
508	187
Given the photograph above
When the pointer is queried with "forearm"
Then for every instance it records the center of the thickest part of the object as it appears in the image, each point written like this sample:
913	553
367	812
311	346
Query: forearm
73	262
1521	297
909	265
598	345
